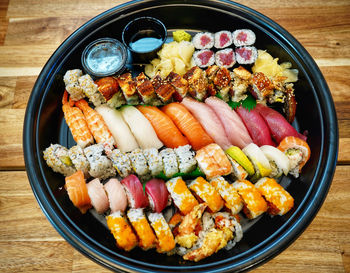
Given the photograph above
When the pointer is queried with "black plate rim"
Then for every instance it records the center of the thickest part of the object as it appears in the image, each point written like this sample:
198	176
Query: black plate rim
287	237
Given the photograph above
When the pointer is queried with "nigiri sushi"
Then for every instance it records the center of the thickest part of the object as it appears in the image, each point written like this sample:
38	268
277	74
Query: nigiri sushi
164	127
77	191
134	192
278	125
116	195
98	196
141	128
256	125
209	121
122	135
188	125
279	162
234	127
157	193
298	152
57	157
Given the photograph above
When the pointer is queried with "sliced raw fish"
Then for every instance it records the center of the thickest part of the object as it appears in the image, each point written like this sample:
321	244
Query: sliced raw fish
98	196
116	195
157	193
134	192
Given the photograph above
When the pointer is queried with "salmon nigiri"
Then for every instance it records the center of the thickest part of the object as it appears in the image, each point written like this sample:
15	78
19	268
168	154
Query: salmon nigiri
188	125
77	191
165	128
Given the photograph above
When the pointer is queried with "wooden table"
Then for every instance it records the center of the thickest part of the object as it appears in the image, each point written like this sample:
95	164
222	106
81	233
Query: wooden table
29	33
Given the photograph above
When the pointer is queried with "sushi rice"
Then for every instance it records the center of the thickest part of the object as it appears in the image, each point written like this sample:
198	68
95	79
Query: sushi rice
139	163
243	37
121	162
79	160
170	163
186	158
57	157
154	160
90	89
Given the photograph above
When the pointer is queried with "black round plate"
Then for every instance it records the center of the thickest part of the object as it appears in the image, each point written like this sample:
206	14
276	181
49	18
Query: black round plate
44	124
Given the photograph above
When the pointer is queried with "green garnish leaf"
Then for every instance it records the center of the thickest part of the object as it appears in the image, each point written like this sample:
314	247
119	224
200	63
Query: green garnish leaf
234	104
218	95
249	103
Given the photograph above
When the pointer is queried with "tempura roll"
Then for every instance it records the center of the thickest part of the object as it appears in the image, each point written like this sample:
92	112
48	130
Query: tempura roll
278	199
121	230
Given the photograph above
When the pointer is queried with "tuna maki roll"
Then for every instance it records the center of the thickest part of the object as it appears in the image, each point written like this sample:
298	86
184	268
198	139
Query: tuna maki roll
203	40
57	158
225	58
243	37
203	58
246	54
222	39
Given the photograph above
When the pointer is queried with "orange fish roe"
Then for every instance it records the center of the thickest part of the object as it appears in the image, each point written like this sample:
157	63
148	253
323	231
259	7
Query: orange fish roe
233	201
175	220
254	203
122	232
181	195
278	199
207	193
138	220
166	241
77	191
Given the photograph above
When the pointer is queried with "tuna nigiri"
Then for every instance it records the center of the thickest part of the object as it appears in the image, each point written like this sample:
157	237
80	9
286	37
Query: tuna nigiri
141	128
116	195
122	135
279	126
98	196
256	125
234	127
188	125
209	121
77	191
165	128
157	193
134	192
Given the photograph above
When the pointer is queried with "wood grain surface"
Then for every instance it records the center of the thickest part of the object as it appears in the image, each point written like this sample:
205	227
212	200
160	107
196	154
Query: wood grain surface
30	31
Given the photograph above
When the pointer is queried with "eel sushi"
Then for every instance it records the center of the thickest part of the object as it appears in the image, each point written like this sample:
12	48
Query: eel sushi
207	194
298	152
243	37
122	135
121	230
79	160
246	54
165	238
235	129
188	125
197	83
116	195
229	194
225	58
256	125
279	162
77	191
254	203
134	192
157	193
204	58
164	127
222	39
203	40
137	218
209	121
57	158
279	201
128	87
146	90
179	83
141	128
181	195
154	161
170	164
163	89
98	195
109	88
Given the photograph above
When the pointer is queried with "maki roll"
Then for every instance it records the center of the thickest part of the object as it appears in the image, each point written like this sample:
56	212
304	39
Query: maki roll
72	84
165	239
222	39
179	83
203	40
181	195
254	203
57	158
237	155
90	89
98	196
243	37
121	230
77	191
72	76
237	170
207	193
137	218
246	54
134	192
225	58
139	163
128	87
121	162
278	199
279	162
232	199
297	151
164	89
79	160
116	195
170	165
100	166
154	160
186	158
157	193
204	58
109	88
146	90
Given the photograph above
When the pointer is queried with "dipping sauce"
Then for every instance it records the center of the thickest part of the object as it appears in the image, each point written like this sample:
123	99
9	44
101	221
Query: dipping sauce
104	57
145	41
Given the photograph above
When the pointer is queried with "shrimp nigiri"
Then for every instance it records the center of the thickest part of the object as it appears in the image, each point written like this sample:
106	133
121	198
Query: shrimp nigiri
77	191
96	124
76	122
164	126
188	125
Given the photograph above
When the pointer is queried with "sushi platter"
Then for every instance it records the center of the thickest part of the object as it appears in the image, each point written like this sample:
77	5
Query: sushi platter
179	146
